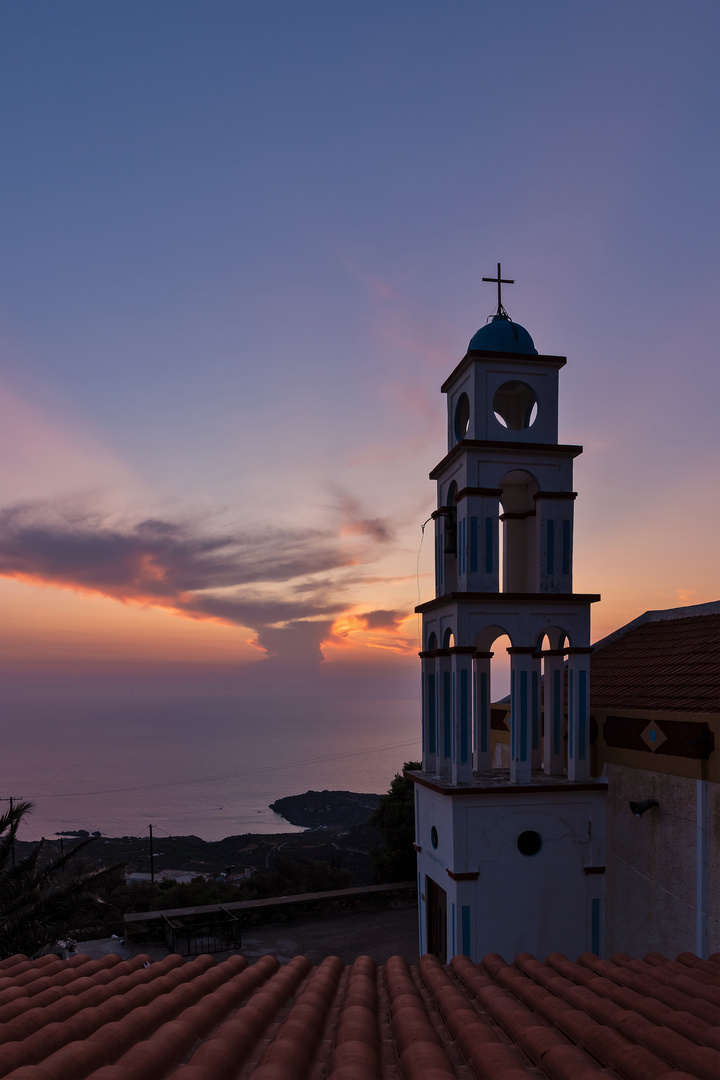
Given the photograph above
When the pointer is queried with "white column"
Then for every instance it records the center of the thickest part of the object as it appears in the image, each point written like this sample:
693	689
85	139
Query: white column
553	713
465	909
482	749
480	507
462	713
443	706
579	713
521	666
535	716
429	712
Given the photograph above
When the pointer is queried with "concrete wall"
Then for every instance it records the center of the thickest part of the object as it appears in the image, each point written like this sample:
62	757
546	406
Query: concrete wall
651	896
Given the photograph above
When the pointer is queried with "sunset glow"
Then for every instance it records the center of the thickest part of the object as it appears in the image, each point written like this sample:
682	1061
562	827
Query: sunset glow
243	249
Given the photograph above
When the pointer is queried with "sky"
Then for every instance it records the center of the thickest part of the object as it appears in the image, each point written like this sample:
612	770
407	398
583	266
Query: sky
243	246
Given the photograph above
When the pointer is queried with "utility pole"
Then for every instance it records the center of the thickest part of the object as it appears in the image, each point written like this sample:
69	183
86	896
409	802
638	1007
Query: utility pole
152	859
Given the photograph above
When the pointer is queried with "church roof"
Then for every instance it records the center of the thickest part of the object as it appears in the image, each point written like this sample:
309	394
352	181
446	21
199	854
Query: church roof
666	660
116	1019
502	335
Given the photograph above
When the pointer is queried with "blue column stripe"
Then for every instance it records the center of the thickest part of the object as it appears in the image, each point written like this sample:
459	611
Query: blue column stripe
557	710
447	714
454	949
566	546
523	716
582	715
489	532
432	721
483	712
535	712
475	711
454	716
463	714
424	709
465	915
571	714
550	561
473	545
465	537
513	716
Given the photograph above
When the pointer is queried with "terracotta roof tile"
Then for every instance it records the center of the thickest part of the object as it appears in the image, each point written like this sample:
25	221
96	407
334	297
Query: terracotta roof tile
201	1020
669	664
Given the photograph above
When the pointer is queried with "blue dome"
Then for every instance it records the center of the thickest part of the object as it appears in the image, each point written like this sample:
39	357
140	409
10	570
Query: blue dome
502	335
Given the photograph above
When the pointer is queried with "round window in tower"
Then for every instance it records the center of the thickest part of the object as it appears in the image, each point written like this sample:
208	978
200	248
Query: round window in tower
529	843
434	837
462	417
515	405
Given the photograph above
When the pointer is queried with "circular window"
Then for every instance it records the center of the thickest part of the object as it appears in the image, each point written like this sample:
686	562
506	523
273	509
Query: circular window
529	843
434	837
515	405
462	417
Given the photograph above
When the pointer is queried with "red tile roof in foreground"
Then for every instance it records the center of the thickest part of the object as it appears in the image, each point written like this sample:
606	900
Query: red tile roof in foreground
114	1019
666	663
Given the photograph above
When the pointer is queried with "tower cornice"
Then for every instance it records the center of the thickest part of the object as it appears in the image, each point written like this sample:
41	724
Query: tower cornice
487	354
520	448
509	598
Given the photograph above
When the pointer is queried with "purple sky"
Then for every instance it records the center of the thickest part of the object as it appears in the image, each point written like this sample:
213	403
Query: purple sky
243	247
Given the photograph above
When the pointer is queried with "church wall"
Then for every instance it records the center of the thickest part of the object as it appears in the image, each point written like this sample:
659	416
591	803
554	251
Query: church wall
540	902
498	899
652	864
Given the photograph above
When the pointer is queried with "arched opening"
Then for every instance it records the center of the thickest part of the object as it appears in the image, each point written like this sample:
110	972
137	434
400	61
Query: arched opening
448	639
432	643
515	405
462	417
492	697
519	570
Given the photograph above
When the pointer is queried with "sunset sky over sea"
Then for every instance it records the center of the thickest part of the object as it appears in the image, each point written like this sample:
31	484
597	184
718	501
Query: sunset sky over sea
243	246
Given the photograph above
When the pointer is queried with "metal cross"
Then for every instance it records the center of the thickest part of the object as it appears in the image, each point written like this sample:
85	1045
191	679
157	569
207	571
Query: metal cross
500	281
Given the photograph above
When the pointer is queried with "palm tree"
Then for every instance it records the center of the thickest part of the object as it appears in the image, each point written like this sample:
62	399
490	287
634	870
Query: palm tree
41	900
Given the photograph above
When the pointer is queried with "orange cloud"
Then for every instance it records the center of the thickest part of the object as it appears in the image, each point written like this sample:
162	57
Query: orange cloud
278	583
377	629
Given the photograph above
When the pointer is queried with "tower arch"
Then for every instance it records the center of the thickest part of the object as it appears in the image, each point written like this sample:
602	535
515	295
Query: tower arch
518	488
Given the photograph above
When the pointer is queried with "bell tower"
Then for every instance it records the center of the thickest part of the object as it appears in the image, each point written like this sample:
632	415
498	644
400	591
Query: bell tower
512	856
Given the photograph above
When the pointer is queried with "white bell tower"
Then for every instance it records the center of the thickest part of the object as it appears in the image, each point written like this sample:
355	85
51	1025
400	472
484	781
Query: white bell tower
509	860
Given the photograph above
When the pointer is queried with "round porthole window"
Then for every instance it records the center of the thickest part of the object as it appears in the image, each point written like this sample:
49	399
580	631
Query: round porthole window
529	843
434	837
462	417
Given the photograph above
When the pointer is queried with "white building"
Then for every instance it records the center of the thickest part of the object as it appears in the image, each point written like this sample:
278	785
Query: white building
508	860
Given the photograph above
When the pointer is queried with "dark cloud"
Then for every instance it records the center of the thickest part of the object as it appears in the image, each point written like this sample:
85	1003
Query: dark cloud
355	523
382	620
178	565
156	558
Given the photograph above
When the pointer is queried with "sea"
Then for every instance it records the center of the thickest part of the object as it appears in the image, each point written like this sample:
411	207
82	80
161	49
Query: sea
199	766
